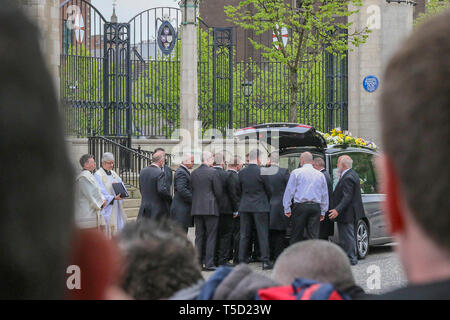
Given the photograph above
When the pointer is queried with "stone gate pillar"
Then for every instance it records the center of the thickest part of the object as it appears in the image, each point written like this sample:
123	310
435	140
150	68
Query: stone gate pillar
390	22
45	14
188	69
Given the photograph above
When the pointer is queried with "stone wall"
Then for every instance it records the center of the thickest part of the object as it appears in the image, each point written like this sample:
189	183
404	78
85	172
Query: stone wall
45	14
390	23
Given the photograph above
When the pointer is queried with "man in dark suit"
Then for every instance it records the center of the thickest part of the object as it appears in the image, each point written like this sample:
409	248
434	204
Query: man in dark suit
225	229
234	192
348	207
180	210
167	176
326	225
154	190
278	179
206	190
254	208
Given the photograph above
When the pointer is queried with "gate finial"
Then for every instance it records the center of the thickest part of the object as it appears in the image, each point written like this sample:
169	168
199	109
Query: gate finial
114	18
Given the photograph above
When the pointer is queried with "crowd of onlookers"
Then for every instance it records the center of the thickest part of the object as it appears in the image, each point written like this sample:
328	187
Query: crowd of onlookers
153	259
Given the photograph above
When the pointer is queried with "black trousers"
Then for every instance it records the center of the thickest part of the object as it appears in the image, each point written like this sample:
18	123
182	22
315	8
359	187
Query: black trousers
225	238
261	222
326	228
277	243
205	238
305	220
236	239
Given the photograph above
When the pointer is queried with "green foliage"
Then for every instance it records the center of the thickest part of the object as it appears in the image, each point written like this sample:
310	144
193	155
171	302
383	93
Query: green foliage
313	27
432	8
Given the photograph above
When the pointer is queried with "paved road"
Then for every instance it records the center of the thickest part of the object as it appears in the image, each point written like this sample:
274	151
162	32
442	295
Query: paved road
379	272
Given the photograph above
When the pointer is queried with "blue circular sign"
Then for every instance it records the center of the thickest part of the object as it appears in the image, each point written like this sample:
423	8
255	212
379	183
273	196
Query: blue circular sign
167	37
370	83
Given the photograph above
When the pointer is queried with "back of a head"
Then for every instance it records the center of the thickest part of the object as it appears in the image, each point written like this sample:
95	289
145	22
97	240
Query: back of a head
307	157
315	260
159	258
319	162
415	114
36	220
219	159
275	158
207	157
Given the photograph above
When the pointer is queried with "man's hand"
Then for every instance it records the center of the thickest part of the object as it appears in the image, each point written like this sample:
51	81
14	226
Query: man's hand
118	197
104	205
288	214
322	217
333	214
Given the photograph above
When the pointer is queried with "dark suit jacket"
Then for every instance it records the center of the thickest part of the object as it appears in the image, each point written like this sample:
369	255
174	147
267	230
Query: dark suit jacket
180	209
154	192
329	185
347	198
278	182
234	190
168	181
206	189
327	225
224	199
256	190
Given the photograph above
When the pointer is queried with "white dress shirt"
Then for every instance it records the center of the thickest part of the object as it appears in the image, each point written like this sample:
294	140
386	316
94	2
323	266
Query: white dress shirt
306	184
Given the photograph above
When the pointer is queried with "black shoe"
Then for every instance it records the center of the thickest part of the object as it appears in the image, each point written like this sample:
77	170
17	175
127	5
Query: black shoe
354	263
267	266
210	269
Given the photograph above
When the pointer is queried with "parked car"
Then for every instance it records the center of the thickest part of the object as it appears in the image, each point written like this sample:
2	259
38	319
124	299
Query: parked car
293	139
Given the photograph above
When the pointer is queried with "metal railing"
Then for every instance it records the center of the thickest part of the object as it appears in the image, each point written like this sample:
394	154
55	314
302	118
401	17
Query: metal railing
128	161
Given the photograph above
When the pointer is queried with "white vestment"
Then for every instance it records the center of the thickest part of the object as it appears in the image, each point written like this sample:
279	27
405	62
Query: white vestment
88	201
115	217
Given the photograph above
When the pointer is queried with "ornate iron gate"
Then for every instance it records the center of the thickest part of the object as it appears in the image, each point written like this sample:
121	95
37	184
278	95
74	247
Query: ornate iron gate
223	78
118	79
115	78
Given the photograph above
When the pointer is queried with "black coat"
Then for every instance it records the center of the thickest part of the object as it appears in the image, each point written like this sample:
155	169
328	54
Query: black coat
347	199
256	190
168	180
180	209
206	189
329	185
234	190
224	200
327	225
278	182
154	192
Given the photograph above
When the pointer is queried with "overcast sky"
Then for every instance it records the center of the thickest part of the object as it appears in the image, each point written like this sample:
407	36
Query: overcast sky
127	9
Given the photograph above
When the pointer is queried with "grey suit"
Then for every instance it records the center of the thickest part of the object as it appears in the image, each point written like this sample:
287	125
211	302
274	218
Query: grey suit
347	201
154	192
206	189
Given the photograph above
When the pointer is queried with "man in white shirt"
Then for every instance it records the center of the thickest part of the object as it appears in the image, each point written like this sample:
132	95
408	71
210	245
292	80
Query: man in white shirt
89	199
308	188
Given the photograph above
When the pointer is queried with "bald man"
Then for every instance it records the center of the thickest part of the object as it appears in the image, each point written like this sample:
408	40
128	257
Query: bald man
348	207
308	188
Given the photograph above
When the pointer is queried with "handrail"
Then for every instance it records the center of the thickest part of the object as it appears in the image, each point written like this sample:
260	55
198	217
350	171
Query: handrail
128	161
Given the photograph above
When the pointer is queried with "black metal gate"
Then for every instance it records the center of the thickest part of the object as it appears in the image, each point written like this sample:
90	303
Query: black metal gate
223	78
115	78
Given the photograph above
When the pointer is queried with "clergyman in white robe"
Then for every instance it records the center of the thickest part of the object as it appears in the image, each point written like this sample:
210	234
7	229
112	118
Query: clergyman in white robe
113	213
88	201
